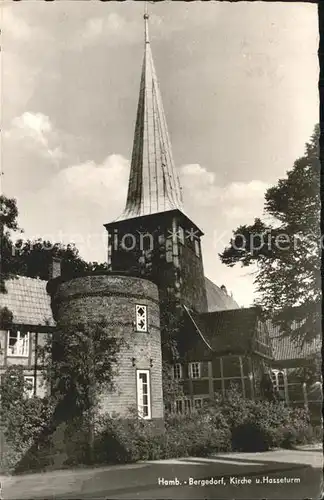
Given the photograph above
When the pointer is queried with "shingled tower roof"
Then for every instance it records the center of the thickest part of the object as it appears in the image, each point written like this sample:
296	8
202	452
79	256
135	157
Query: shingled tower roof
153	183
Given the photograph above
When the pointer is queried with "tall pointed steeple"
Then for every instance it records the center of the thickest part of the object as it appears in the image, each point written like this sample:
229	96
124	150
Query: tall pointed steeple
153	183
154	238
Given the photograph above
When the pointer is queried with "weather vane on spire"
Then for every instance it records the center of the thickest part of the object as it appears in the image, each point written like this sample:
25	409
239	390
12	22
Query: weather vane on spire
146	15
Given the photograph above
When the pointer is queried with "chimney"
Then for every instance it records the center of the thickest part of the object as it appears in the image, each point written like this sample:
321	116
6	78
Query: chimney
55	268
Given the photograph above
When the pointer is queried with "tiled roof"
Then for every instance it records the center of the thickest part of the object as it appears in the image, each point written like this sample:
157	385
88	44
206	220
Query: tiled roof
228	330
217	299
284	348
28	301
225	326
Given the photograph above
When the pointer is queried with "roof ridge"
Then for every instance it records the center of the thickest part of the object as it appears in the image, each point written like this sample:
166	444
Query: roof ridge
228	310
197	327
28	278
212	282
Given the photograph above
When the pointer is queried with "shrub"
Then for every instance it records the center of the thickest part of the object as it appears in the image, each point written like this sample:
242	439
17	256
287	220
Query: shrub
22	421
290	435
119	440
230	422
113	445
199	433
287	437
317	434
251	437
261	425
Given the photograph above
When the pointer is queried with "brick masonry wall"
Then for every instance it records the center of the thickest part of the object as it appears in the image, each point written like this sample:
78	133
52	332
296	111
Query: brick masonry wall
114	298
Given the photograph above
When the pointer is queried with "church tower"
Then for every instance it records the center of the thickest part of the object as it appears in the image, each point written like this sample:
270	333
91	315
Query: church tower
153	237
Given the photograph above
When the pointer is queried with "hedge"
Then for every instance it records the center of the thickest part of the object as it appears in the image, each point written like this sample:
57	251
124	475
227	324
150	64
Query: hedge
229	423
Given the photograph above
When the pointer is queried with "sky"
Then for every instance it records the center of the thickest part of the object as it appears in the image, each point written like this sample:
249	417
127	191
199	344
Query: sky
239	88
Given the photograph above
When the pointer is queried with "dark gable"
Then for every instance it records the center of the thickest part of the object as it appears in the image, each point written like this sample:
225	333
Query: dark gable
218	299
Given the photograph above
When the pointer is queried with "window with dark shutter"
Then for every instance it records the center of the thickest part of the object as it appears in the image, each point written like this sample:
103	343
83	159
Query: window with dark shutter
141	318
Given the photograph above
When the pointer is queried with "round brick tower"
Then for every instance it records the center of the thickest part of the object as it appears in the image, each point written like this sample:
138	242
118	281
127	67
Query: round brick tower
130	306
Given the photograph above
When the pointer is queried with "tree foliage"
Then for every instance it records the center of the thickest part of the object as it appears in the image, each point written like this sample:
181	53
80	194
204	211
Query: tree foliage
171	325
172	388
6	318
8	224
310	371
287	249
33	258
22	418
79	361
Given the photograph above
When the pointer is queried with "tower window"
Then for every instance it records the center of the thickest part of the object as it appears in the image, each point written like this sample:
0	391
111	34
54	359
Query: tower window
177	371
141	318
194	370
197	248
18	344
143	394
181	235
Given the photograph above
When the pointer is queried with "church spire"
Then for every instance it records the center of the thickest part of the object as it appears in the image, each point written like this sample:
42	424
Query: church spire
153	183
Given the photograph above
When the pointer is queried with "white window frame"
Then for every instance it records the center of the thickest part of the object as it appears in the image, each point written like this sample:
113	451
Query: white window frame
183	406
178	405
201	403
191	370
187	403
24	347
29	392
138	328
140	394
177	369
281	388
275	379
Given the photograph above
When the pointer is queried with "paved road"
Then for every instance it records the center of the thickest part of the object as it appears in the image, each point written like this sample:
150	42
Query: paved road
239	476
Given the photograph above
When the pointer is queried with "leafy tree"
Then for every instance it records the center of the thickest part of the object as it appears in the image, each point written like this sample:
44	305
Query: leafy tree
311	370
287	249
33	258
22	418
6	318
172	388
79	362
8	224
171	326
